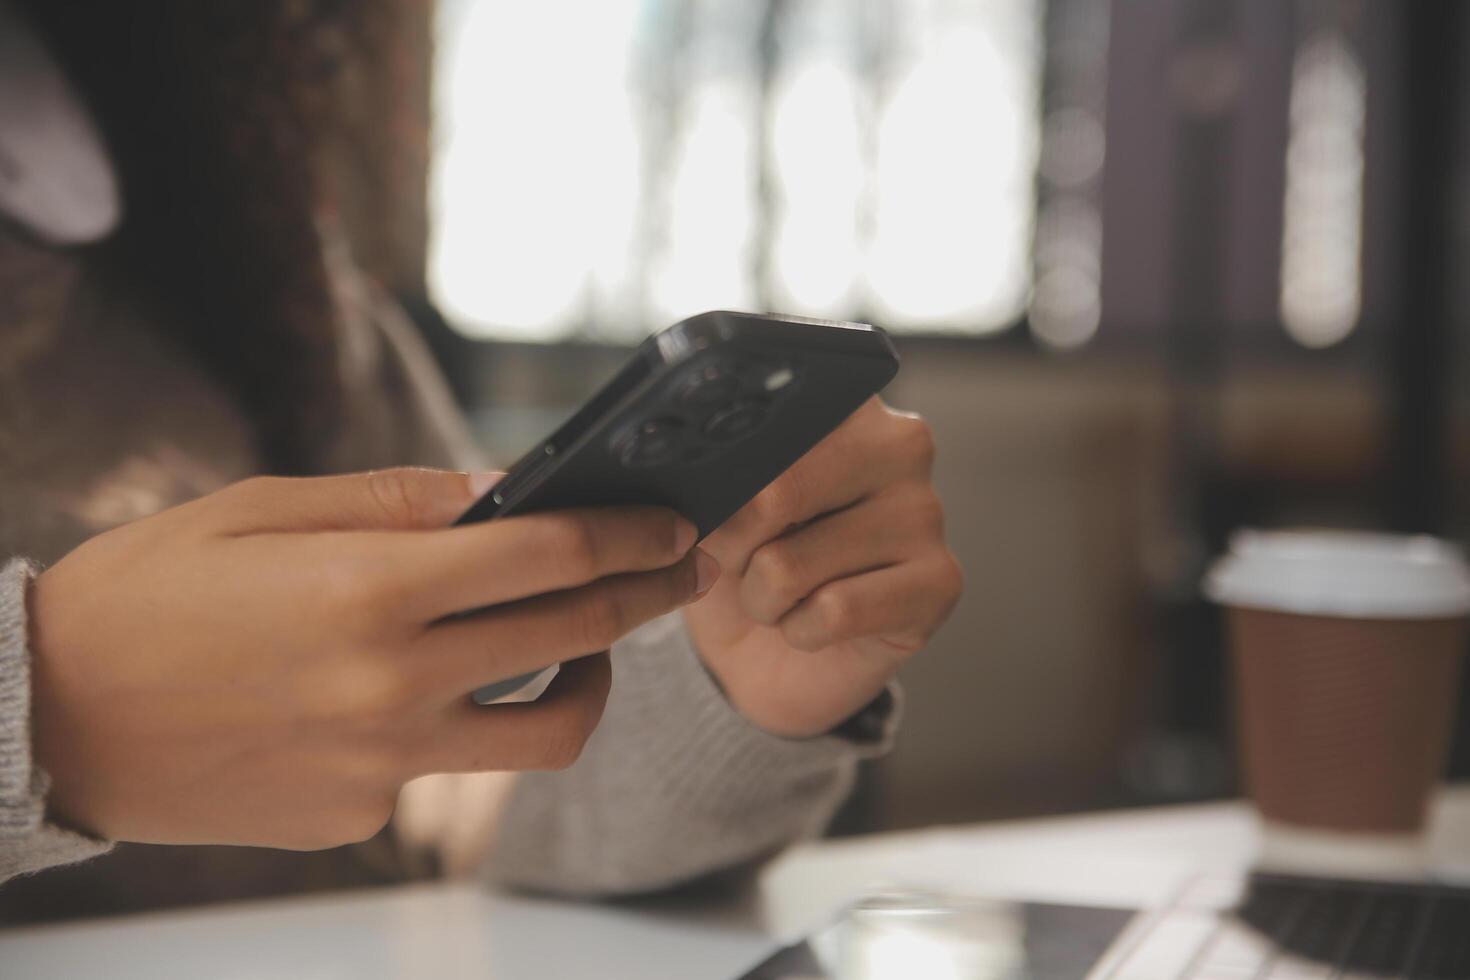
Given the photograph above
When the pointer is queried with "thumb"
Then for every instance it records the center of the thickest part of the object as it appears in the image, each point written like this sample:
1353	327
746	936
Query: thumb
403	498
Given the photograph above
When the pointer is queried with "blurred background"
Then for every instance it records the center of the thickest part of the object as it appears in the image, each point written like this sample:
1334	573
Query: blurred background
1157	271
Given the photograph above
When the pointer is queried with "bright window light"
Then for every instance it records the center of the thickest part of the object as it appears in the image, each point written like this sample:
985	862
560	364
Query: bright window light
604	166
1321	275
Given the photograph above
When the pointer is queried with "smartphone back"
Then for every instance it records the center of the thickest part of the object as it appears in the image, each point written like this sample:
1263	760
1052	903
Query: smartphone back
706	414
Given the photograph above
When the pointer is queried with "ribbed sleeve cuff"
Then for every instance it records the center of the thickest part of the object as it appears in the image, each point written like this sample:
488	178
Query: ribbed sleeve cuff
27	841
675	782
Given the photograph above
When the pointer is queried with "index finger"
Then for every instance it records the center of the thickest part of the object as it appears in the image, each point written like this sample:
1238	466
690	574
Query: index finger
857	458
458	569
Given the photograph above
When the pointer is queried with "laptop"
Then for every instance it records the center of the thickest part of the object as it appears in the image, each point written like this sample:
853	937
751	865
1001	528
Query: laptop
1257	927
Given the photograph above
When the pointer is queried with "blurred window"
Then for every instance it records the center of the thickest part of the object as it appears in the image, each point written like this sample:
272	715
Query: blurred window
1322	215
1066	300
603	168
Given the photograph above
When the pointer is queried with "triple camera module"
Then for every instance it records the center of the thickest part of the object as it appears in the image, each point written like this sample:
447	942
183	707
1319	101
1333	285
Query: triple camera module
708	406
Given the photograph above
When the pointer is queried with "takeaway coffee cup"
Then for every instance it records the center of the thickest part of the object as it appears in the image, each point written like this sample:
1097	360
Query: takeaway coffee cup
1347	650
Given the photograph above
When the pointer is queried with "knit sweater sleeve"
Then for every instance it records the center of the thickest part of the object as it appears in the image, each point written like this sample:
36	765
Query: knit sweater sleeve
28	842
674	783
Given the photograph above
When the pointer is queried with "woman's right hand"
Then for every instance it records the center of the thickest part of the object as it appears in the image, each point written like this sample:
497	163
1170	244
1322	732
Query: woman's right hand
269	664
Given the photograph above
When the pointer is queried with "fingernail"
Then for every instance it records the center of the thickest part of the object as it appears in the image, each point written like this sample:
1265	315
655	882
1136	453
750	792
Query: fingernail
684	536
706	572
482	480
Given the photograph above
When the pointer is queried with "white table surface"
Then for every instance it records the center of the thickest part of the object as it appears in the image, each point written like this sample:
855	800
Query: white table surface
1127	858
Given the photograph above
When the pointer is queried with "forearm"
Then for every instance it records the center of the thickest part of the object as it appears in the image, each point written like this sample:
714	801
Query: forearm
674	784
27	841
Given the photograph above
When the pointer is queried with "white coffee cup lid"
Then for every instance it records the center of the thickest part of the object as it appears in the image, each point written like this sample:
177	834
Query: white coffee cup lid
1342	573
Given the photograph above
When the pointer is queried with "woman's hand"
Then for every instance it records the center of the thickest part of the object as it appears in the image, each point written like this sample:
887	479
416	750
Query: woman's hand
269	664
835	575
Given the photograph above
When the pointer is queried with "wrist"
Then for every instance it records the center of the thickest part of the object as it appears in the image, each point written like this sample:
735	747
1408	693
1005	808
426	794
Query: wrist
866	733
783	718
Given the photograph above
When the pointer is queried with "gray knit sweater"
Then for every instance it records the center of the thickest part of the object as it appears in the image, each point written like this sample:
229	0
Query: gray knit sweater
101	422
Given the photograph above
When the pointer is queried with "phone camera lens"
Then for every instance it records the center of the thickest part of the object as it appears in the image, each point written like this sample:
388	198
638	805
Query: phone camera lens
708	386
652	442
734	422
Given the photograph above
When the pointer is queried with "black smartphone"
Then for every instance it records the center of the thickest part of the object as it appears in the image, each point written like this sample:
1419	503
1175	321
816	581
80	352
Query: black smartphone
704	415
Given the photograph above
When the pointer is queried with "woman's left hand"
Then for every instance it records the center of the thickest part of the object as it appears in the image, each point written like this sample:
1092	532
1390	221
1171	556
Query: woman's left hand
833	576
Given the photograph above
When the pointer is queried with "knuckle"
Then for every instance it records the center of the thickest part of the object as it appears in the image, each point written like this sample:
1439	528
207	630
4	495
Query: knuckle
352	588
801	637
375	691
575	543
599	620
342	591
928	513
778	570
777	505
835	611
392	490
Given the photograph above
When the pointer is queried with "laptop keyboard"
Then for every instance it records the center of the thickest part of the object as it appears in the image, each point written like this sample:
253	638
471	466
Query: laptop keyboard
1284	928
